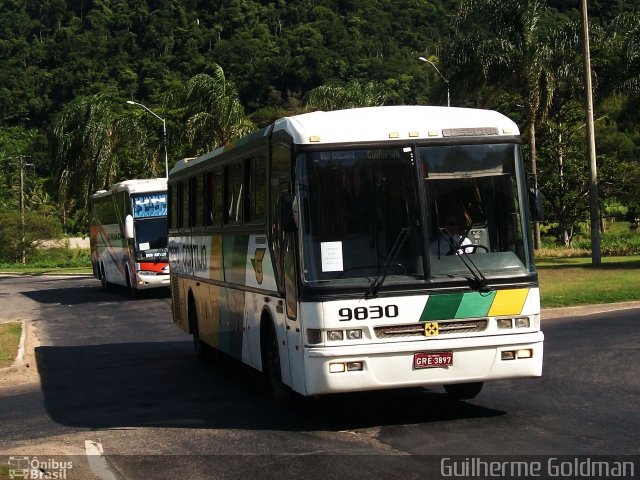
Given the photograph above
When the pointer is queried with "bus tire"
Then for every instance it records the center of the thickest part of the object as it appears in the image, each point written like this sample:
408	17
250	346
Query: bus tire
130	288
103	278
281	393
199	347
463	391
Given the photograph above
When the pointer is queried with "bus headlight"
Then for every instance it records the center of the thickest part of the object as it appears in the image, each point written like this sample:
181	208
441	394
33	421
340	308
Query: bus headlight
522	322
335	335
504	323
354	334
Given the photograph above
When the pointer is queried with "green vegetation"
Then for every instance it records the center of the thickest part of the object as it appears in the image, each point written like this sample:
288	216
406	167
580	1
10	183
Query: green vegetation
53	260
9	342
574	281
67	70
16	242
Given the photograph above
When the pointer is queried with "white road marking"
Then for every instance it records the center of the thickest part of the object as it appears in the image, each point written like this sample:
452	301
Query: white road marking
97	462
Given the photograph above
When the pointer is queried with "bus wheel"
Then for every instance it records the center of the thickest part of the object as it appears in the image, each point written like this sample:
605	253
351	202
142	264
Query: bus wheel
130	288
103	278
463	391
199	347
281	393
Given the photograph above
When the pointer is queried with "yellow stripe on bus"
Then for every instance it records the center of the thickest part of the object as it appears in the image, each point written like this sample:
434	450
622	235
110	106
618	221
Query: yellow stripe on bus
508	302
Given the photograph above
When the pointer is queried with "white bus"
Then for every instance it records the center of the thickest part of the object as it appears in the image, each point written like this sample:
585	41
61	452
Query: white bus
306	251
128	235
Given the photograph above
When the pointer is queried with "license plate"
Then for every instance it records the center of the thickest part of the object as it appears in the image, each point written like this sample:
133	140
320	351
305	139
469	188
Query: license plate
432	359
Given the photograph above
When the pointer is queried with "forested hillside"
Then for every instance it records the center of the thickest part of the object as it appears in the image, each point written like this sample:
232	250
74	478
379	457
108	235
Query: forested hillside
63	61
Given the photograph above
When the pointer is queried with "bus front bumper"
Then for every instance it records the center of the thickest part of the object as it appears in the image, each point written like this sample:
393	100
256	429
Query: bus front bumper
391	365
146	280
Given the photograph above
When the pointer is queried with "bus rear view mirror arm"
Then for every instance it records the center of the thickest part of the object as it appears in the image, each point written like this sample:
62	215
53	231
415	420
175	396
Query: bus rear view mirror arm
287	213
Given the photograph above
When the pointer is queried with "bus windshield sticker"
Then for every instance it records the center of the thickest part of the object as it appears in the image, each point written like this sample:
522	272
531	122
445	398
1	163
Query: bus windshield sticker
150	205
145	246
331	253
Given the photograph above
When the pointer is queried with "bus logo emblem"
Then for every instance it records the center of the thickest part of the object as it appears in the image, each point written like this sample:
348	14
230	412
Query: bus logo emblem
431	329
257	264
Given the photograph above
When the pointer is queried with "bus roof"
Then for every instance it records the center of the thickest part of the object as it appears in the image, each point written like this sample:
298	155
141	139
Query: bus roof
374	124
140	185
394	123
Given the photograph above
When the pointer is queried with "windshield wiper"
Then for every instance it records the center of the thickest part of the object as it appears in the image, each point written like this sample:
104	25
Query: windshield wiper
397	245
478	282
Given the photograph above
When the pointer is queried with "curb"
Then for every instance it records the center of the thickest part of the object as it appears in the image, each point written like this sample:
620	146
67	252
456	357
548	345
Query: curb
23	339
584	310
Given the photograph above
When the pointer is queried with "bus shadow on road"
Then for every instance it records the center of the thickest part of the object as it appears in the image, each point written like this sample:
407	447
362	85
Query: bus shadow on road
161	384
93	294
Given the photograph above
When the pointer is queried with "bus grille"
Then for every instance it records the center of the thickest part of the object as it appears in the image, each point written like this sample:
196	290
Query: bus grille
444	328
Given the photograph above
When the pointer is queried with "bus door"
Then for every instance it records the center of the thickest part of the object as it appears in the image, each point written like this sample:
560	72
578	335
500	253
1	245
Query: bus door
293	326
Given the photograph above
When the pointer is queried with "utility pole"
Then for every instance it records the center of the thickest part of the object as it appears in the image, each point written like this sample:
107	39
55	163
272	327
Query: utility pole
594	210
23	255
21	165
22	222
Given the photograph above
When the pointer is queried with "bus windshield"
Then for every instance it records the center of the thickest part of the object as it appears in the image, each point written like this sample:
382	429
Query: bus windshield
151	238
474	207
359	213
359	217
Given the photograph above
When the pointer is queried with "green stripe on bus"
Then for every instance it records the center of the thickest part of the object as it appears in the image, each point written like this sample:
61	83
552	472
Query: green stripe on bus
441	307
457	305
475	304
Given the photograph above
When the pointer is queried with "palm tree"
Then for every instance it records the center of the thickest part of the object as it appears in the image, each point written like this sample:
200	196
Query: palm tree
353	94
83	143
214	115
623	44
566	181
501	44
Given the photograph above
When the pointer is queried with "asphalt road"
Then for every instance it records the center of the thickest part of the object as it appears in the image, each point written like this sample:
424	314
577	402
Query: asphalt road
116	380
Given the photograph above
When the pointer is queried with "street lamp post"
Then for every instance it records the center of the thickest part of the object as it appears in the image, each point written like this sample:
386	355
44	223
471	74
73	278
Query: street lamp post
164	134
441	76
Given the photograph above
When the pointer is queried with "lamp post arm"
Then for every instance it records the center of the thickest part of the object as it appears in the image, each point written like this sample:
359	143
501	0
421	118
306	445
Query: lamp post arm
164	133
446	81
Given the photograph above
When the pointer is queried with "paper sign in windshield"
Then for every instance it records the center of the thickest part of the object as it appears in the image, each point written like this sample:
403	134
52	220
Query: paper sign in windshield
331	253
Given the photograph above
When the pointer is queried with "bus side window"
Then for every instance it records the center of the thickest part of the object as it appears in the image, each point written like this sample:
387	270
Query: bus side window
213	197
179	205
194	221
173	206
184	219
233	193
210	187
256	182
198	201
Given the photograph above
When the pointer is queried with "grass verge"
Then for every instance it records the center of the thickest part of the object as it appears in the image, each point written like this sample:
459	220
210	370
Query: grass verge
9	342
34	270
570	281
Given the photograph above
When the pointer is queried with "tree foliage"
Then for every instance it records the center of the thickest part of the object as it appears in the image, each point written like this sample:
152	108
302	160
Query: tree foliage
213	69
16	240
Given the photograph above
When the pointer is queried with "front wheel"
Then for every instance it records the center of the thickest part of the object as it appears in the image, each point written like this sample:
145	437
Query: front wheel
281	393
463	391
131	290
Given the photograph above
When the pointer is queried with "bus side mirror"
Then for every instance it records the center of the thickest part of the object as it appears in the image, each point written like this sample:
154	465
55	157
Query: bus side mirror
536	205
128	227
287	214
